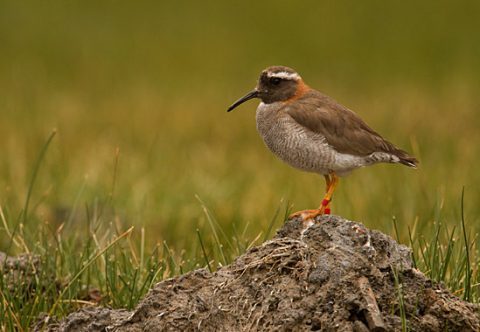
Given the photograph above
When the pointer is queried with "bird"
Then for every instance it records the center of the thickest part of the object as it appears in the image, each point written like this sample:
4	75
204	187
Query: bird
313	132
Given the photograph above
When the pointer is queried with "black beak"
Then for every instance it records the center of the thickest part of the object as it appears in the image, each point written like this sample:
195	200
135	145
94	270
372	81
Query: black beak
248	96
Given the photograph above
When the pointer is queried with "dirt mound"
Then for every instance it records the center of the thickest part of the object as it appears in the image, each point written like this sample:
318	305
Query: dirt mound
18	273
335	275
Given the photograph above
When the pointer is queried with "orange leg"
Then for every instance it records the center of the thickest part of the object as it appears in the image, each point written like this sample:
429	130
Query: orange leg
328	181
331	181
325	206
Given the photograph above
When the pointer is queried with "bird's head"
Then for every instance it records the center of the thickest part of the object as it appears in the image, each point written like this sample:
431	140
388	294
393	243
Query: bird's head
277	83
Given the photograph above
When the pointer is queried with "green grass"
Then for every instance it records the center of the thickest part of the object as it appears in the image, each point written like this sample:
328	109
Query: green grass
137	95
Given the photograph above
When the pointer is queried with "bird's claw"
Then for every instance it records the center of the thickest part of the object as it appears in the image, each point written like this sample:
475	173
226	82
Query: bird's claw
309	214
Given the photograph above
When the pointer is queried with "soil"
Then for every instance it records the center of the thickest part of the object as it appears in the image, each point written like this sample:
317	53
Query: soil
333	275
18	273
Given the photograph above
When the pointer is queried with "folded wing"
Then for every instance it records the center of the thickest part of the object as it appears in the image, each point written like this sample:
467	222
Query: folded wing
344	130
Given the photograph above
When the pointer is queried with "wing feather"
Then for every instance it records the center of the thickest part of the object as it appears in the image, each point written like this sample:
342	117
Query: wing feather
344	130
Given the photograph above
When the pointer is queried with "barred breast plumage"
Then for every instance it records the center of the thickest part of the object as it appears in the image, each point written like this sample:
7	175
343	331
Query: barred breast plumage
290	141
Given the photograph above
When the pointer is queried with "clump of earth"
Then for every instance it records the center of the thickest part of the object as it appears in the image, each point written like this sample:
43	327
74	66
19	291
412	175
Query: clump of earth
331	275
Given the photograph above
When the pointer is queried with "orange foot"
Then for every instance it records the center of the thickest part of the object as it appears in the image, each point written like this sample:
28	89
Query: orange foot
308	214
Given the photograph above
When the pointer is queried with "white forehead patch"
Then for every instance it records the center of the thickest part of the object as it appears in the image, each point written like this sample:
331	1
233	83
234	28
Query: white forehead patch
285	75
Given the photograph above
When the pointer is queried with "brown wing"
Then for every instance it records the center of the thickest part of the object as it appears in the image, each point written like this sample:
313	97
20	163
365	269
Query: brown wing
345	131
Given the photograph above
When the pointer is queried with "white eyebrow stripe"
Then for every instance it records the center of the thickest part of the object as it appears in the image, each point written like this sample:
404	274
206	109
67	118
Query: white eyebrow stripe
285	75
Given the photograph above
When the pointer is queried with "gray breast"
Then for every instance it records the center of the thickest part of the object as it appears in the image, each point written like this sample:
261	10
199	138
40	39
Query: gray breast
291	142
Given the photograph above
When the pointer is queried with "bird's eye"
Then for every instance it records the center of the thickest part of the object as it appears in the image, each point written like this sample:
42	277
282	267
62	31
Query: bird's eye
275	80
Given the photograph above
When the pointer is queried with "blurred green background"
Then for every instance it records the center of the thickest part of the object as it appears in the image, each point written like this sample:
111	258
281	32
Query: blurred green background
137	92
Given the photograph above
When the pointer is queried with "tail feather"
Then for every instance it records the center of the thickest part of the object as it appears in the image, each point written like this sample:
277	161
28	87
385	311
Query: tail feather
406	159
